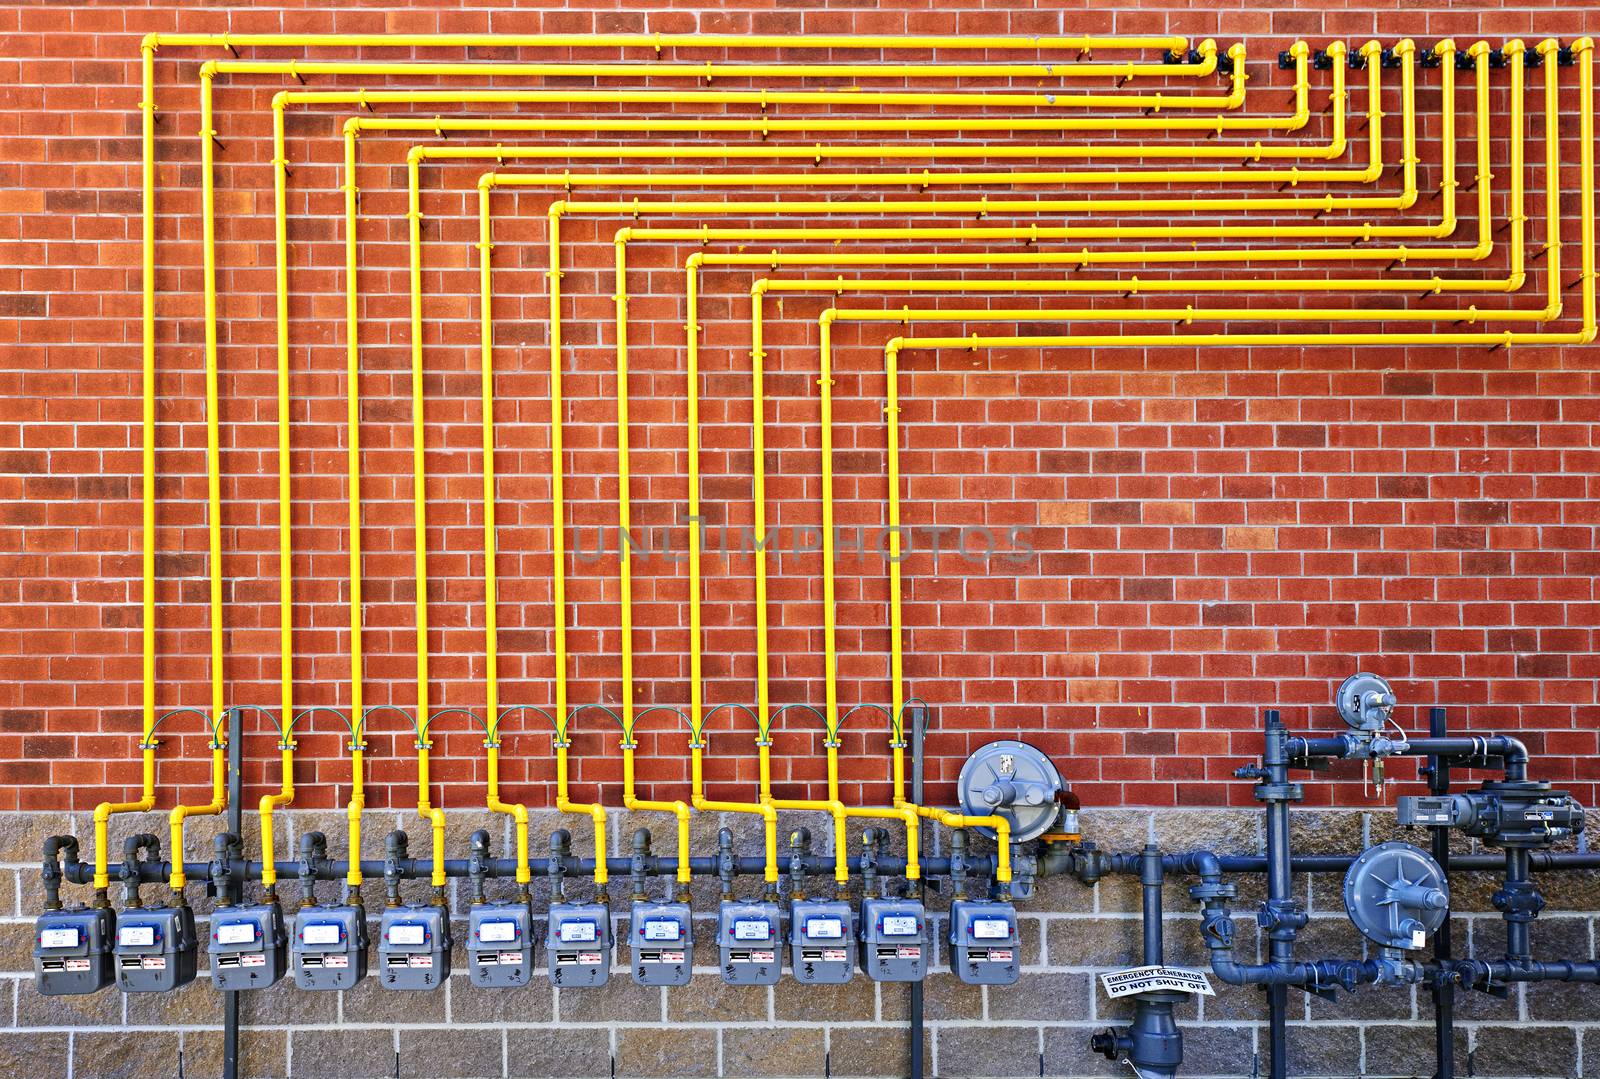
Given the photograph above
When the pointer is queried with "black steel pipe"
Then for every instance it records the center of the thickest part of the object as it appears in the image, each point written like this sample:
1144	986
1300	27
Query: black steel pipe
1443	988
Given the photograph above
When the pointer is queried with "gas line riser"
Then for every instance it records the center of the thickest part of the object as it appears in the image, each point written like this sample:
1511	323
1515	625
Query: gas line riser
417	308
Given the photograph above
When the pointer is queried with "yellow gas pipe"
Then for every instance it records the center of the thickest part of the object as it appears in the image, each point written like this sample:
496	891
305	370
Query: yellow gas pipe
219	761
491	603
149	45
147	558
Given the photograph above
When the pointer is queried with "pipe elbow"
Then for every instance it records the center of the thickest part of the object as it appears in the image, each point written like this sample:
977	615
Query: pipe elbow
1548	47
1478	50
208	70
414	154
102	812
150	42
1583	45
828	317
352	128
693	263
1374	47
894	346
759	288
280	103
1405	47
487	182
1444	48
1300	50
1407	199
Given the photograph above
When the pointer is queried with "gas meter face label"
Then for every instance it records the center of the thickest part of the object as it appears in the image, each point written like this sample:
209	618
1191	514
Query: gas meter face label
662	929
752	929
824	927
991	928
407	935
58	938
136	936
577	932
899	925
497	932
322	934
236	933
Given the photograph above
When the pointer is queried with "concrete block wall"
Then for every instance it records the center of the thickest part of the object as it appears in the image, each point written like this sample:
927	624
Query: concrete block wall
1041	1026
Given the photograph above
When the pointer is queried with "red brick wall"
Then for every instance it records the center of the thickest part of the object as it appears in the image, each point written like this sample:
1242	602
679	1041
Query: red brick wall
1216	530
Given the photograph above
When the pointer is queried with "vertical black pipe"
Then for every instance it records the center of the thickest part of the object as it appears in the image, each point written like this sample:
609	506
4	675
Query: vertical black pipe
1152	877
230	1000
1518	917
918	731
1276	762
1444	989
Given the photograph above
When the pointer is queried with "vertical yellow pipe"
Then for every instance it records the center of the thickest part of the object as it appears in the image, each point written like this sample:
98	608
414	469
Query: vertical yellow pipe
285	795
491	580
219	798
697	715
558	581
353	481
625	574
419	510
147	559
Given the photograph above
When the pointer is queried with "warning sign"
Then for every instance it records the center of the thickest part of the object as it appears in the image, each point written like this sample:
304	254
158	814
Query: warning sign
1126	983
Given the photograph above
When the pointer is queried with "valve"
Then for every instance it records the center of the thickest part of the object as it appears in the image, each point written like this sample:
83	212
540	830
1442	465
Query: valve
1396	895
1365	702
1510	813
1014	780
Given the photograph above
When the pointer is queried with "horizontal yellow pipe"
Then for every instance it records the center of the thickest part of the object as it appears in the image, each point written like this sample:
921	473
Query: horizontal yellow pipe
709	71
869	42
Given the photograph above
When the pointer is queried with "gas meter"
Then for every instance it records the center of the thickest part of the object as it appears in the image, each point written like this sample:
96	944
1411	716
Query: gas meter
500	943
155	949
72	950
894	939
578	944
662	939
248	946
748	936
821	937
414	947
985	947
329	947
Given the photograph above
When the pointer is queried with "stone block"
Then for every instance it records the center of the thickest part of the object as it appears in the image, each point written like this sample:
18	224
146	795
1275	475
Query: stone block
973	1051
112	1054
708	999
621	998
1038	995
557	1053
665	1051
30	1052
1094	942
451	1052
772	1051
344	1053
1525	1050
873	1051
